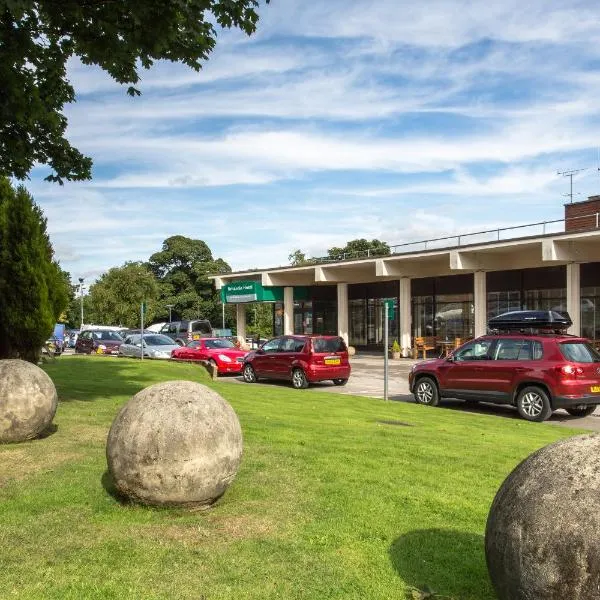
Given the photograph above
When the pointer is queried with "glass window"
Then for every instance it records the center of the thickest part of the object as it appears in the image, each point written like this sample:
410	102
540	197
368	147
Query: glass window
201	327
579	352
511	349
454	316
477	350
303	317
502	302
278	318
590	312
173	327
552	299
358	322
221	343
272	345
158	340
290	344
422	316
110	335
194	344
335	344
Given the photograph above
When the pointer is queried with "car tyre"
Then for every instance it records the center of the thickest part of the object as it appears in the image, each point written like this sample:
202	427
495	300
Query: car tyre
340	381
299	381
249	374
426	392
581	412
533	404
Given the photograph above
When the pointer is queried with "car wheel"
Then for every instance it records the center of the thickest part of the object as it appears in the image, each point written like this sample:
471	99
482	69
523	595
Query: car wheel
249	374
426	392
299	381
179	342
340	381
533	404
585	411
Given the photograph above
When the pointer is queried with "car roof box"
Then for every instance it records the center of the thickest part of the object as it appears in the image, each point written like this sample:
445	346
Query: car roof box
531	319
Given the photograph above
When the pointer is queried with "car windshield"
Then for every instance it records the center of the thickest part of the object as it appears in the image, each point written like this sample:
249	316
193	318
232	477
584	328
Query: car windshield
219	344
582	352
108	335
158	340
334	344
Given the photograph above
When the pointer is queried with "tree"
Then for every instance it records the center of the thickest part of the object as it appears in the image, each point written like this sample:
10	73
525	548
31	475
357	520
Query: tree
298	258
259	319
360	248
34	290
117	296
37	38
182	268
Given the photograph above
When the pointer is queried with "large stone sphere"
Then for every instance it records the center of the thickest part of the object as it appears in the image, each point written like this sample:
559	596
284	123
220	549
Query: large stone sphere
174	444
28	400
542	540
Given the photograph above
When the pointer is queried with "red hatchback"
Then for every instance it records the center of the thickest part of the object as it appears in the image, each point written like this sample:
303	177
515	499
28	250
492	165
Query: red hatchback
301	359
537	373
223	353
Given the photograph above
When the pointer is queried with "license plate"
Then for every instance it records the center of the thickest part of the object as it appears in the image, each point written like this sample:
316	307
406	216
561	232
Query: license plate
195	337
595	388
332	361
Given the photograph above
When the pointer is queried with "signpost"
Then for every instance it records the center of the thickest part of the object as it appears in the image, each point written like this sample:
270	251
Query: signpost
388	308
143	309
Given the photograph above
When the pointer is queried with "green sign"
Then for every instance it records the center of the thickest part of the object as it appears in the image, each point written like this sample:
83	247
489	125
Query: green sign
390	307
239	292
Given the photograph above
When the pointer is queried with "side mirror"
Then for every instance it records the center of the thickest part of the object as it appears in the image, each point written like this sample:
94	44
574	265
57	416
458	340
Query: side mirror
260	351
450	358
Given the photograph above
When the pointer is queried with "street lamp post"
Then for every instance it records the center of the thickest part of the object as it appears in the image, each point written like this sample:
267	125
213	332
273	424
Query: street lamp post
81	295
170	306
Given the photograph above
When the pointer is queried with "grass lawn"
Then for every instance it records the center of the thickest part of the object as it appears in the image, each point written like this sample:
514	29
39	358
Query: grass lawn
329	502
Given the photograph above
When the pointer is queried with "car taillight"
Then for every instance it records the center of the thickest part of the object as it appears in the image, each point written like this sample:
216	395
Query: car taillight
189	336
569	371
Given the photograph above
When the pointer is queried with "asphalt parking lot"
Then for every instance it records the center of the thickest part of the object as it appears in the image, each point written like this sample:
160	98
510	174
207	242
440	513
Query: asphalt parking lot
367	380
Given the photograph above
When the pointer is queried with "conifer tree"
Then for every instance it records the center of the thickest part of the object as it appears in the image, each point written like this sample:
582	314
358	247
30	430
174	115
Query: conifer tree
33	288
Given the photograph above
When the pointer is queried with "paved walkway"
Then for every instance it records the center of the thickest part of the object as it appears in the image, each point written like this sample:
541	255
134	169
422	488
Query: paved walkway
367	380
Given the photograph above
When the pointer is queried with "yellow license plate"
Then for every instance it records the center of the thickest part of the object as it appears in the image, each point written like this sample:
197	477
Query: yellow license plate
195	337
595	388
332	361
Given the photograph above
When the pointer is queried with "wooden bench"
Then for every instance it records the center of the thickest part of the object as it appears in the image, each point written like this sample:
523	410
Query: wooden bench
423	344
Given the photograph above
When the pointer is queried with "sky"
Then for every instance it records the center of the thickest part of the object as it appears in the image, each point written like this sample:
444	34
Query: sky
337	120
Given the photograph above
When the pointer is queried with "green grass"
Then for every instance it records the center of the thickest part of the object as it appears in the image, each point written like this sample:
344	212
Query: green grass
328	503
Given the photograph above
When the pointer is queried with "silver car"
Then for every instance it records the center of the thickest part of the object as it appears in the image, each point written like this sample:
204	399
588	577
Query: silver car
154	345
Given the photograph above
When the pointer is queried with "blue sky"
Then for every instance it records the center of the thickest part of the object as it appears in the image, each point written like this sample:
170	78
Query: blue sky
337	120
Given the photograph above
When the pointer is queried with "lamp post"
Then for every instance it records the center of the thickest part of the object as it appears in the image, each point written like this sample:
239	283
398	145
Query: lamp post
81	296
170	306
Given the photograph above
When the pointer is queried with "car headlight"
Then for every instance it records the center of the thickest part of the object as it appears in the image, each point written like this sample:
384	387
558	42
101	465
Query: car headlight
224	358
101	347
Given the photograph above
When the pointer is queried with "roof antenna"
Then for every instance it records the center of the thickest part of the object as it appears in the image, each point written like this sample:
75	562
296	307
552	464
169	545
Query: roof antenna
570	174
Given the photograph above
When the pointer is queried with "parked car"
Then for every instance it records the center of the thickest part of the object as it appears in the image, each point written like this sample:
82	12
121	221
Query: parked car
98	342
154	345
536	371
183	332
301	359
227	357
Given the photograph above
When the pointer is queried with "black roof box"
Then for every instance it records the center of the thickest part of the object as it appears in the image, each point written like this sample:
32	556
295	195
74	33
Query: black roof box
531	319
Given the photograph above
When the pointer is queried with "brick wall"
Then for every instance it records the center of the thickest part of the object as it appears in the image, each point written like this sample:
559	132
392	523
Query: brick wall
582	216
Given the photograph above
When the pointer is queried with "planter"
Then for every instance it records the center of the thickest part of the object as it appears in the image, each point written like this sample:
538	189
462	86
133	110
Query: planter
396	355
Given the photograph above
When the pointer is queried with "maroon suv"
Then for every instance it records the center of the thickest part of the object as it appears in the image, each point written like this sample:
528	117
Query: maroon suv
301	359
537	373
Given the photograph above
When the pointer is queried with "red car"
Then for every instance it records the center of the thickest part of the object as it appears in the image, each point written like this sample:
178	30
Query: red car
536	372
223	353
301	359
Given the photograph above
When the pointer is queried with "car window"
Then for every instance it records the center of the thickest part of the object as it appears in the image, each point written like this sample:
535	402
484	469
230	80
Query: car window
158	340
579	352
334	344
291	344
272	346
477	350
173	327
212	344
109	335
201	327
511	349
194	344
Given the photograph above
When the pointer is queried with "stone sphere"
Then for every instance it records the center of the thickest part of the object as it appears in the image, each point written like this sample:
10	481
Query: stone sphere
28	400
177	443
542	539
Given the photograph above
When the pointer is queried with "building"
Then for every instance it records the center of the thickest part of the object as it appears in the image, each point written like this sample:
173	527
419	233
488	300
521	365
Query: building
447	288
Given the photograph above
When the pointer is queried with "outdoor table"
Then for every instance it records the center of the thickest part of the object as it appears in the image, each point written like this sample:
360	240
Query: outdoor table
446	346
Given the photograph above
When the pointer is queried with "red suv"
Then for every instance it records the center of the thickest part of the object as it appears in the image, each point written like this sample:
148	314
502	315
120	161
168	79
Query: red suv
537	373
301	359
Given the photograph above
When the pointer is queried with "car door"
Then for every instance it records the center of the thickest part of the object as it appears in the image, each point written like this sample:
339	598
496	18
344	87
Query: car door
288	353
512	357
85	344
464	374
265	357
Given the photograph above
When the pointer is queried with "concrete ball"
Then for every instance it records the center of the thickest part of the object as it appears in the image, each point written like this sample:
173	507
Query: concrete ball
177	443
542	538
28	400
